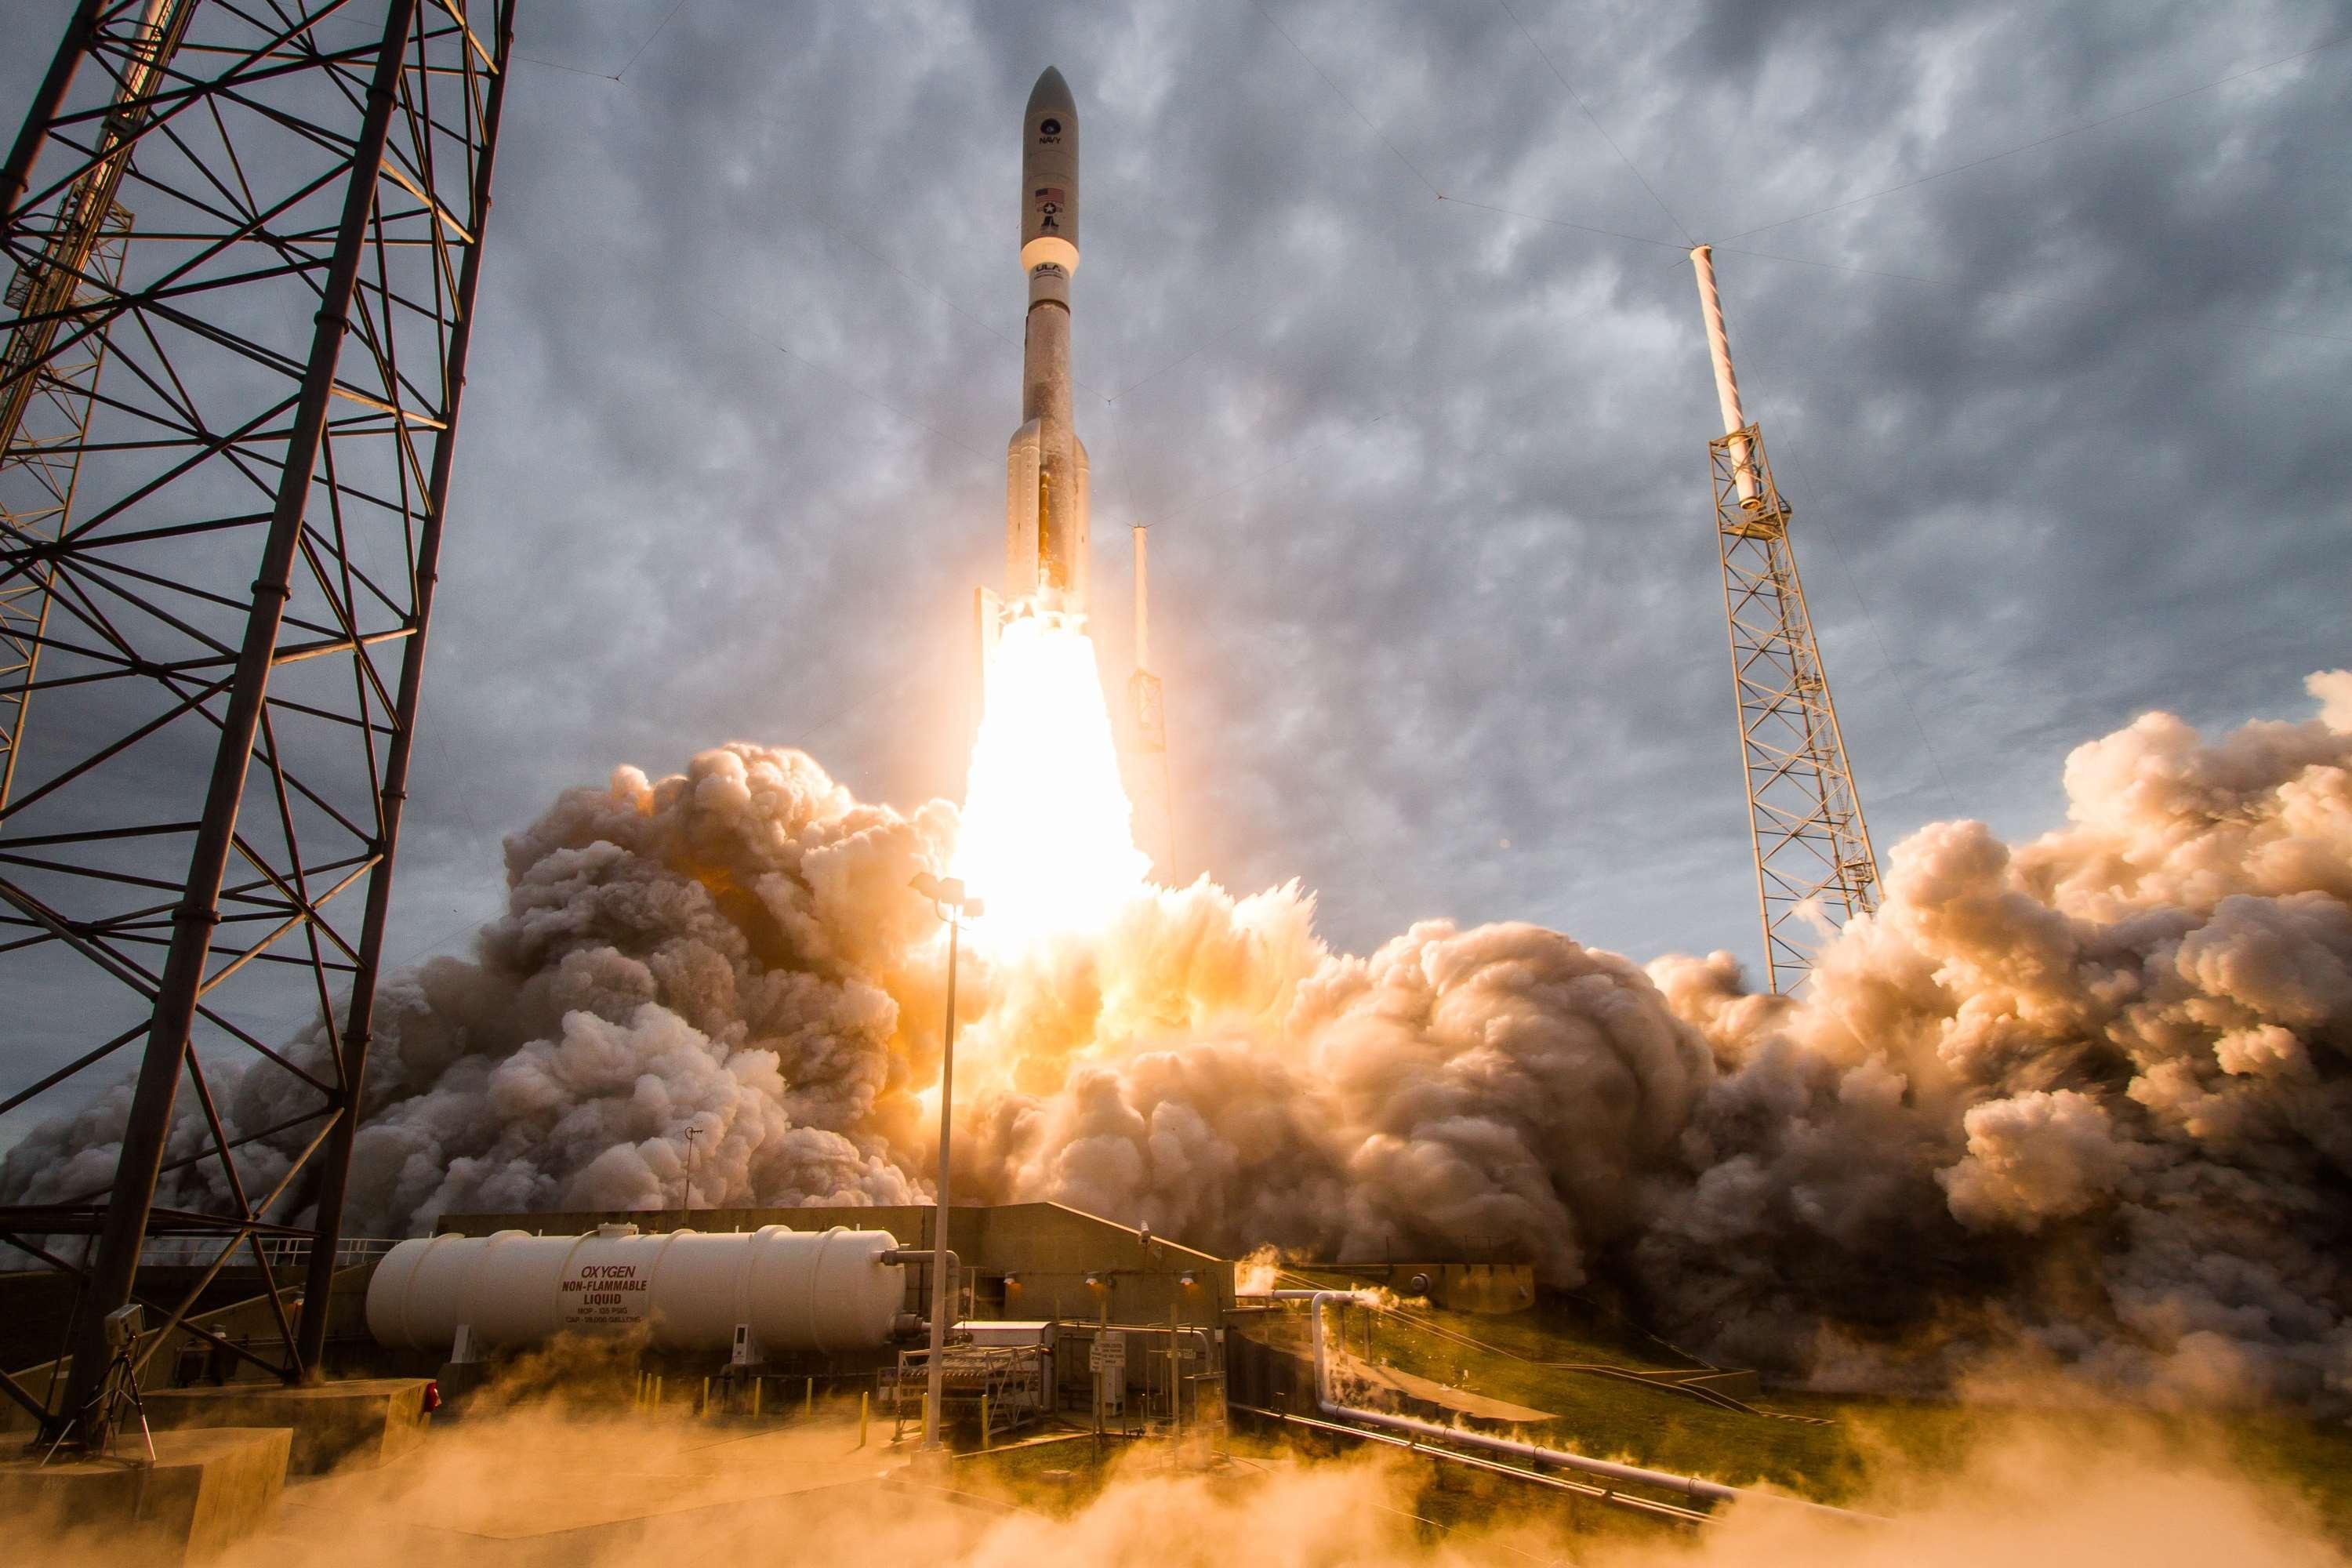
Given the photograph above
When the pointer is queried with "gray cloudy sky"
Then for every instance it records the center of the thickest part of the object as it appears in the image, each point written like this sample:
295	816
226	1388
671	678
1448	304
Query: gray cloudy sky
1436	595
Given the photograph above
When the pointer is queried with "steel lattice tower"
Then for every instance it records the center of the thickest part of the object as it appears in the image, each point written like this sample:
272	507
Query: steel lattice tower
1814	867
44	429
221	606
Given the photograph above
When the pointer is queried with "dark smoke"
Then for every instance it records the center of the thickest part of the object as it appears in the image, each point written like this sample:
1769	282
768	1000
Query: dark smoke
2081	1102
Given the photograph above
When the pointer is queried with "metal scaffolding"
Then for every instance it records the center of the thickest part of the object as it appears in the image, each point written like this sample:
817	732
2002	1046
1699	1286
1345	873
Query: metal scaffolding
44	430
1814	868
221	606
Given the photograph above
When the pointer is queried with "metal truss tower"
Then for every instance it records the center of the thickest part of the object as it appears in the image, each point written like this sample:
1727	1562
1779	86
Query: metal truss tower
1814	867
219	570
44	429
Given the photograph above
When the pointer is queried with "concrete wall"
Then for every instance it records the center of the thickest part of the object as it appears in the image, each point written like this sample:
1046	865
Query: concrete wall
1021	1260
359	1423
206	1491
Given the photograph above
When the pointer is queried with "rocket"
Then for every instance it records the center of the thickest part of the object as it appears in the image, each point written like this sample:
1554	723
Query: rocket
1045	566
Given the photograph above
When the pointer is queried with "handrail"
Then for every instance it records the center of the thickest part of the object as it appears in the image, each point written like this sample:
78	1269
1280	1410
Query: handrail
281	1251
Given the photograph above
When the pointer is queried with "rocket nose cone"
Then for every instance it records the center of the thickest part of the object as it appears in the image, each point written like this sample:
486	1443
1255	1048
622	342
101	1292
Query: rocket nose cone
1049	186
1051	94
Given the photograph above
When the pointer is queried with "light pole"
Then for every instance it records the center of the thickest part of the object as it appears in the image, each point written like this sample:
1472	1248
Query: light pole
948	897
693	1132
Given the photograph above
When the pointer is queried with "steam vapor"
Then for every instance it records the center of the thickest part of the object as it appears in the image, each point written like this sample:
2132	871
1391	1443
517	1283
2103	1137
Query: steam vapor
2082	1101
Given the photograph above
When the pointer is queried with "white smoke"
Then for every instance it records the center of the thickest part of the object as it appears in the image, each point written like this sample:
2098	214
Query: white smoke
722	952
2119	1051
2083	1101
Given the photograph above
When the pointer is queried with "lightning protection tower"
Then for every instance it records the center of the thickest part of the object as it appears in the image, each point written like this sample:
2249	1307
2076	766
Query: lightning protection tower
265	222
1814	868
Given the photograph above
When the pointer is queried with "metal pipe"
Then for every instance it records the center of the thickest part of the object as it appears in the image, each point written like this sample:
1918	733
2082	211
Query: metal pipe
82	217
1727	385
1535	1453
18	172
923	1255
358	1013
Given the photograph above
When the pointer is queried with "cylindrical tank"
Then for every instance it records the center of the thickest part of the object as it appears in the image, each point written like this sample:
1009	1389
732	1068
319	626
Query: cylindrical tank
797	1289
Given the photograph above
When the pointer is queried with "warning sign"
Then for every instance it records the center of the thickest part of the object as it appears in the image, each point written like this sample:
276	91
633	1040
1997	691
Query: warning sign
599	1294
1109	1354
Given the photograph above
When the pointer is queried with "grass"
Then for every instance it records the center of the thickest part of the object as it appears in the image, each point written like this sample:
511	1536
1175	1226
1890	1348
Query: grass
1834	1456
1053	1478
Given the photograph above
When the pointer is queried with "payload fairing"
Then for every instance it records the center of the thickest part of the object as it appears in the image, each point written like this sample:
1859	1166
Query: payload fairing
1045	566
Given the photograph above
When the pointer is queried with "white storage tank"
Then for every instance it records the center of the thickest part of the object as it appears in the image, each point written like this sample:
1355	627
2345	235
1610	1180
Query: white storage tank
794	1289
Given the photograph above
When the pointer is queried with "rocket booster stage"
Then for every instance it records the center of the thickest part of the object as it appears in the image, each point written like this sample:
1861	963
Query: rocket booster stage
1046	566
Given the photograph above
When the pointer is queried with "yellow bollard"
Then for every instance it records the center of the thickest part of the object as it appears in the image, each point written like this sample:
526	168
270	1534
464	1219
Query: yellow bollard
983	1423
703	1410
755	1396
808	1400
658	1391
865	1407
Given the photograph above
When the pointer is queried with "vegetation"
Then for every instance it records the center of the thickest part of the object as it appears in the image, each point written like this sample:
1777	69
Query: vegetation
1825	1446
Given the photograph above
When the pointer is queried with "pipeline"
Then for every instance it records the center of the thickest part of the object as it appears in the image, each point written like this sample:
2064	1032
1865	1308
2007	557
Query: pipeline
1609	1495
1533	1453
902	1255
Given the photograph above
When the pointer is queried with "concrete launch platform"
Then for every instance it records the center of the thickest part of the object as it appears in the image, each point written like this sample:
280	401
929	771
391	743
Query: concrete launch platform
358	1423
207	1490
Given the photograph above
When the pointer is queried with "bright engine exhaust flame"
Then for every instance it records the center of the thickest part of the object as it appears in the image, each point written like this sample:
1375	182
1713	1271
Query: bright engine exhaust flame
1048	839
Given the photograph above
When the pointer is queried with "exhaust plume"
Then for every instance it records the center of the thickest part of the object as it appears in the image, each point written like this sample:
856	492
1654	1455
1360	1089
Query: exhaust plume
2081	1102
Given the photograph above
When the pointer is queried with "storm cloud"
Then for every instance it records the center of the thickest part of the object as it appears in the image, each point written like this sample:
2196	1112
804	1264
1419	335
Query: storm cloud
1388	338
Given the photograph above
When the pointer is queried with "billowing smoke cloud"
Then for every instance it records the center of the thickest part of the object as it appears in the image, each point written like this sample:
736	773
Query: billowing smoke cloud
2082	1101
2088	1095
727	953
